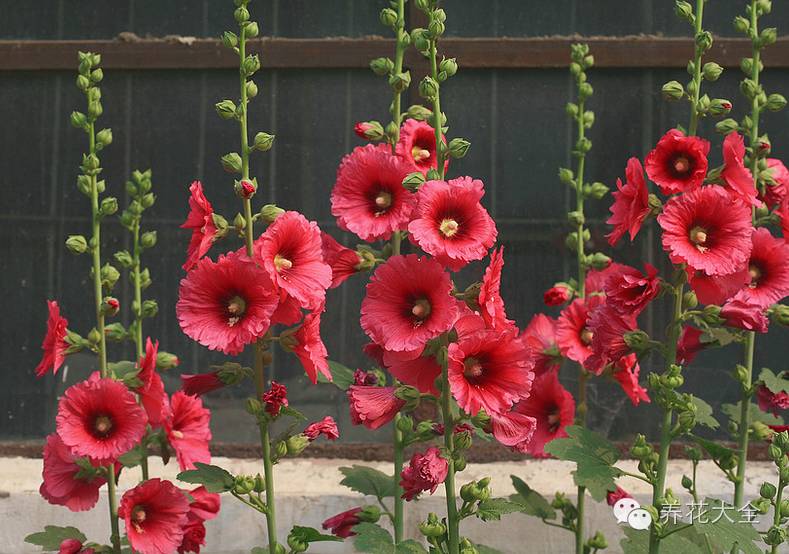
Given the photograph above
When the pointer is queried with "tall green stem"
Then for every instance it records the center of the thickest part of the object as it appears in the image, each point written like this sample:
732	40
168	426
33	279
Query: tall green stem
96	251
137	310
699	52
440	150
113	503
777	512
453	523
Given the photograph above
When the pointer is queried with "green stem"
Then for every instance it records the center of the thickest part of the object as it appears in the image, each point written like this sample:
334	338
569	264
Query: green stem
440	151
137	309
449	443
96	251
400	47
113	504
777	512
694	114
398	469
268	471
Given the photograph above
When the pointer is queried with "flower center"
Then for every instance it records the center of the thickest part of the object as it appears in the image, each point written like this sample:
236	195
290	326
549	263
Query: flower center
553	421
236	307
138	517
472	368
178	434
681	165
102	425
756	274
420	154
449	227
698	236
383	201
421	309
586	336
281	263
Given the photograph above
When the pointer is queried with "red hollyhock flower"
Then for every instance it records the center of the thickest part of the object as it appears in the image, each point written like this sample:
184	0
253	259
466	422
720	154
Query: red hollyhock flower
373	406
155	513
770	401
557	295
513	429
775	193
326	427
200	384
187	430
678	163
689	345
290	250
572	333
73	546
368	198
151	392
717	289
99	418
275	398
631	203
489	370
413	368
54	344
408	302
744	315
343	523
626	372
614	496
630	291
491	305
552	406
417	146
737	177
783	215
344	262
707	229
362	377
310	348
65	481
226	304
451	224
539	336
201	221
425	472
596	278
608	328
288	310
193	536
205	506
768	270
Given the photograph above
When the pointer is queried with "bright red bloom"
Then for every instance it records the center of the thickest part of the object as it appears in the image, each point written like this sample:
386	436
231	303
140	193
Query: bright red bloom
155	513
630	291
573	336
678	163
200	384
424	473
205	506
343	523
54	344
451	224
361	128
626	372
362	377
201	221
413	368
343	261
275	398
707	229
188	431
226	304
514	429
631	203
193	536
777	191
99	418
539	336
326	427
65	481
596	278
608	328
288	310
771	401
768	270
557	295
373	406
491	305
489	370
689	345
614	496
552	406
73	546
744	315
151	392
310	348
737	177
417	146
408	302
290	250
368	198
717	289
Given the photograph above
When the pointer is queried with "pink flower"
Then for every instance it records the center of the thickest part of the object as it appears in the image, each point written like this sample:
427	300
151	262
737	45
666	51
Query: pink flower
678	163
361	377
553	408
198	385
187	430
608	328
707	229
557	295
73	546
776	192
737	177
288	310
689	345
373	406
626	372
631	204
275	398
489	370
368	198
151	392
513	429
417	146
226	304
451	224
425	472
768	270
99	418
717	289
614	496
309	346
205	506
344	262
408	302
201	221
155	513
362	128
596	278
572	333
326	427
54	344
193	536
343	523
414	368
65	481
744	315
290	250
772	402
491	305
539	336
630	291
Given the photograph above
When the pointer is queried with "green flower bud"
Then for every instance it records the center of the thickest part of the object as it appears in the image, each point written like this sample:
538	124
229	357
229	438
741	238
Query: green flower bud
571	109
597	542
673	90
775	453
250	65
115	332
598	260
226	109
775	536
637	340
448	66
297	545
270	212
281	449
467	547
149	308
77	244
94	336
382	66
109	276
775	102
726	126
252	89
296	444
253	406
767	37
79	120
229	39
231	162
419	112
251	29
83	82
763	6
749	88
428	88
148	239
369	514
110	306
566	176
432	527
687	482
711	71
405	424
711	314
458	147
779	313
585	90
241	14
436	28
239	222
166	360
597	191
761	431
684	11
767	490
263	142
400	81
243	485
95	110
741	24
388	18
704	40
103	138
719	107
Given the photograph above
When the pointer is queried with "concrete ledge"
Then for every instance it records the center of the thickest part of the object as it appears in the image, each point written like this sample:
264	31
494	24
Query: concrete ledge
308	493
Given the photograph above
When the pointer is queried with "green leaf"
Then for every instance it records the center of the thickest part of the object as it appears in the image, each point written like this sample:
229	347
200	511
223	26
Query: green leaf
50	538
704	413
532	502
214	478
292	412
132	458
308	534
717	336
637	542
494	508
733	411
595	457
715	450
727	536
372	538
342	376
775	383
369	481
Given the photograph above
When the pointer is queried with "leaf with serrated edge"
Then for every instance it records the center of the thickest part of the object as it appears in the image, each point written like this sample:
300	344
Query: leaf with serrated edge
50	538
532	502
369	481
774	383
733	412
494	508
727	536
342	376
309	534
373	539
704	413
214	478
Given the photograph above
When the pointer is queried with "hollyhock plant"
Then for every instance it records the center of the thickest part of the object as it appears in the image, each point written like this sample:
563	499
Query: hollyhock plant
201	221
609	342
373	406
203	507
343	261
275	398
768	269
309	347
151	391
595	280
777	189
616	495
573	336
187	430
450	223
678	163
631	203
540	338
417	146
630	291
155	513
491	304
74	546
689	345
55	345
67	480
415	368
198	385
744	315
717	289
326	427
424	473
343	523
368	198
514	429
737	177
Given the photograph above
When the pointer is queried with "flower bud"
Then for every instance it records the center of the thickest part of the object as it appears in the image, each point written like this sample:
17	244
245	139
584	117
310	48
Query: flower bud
231	162
253	406
774	452
726	126
749	88
250	65
239	222
229	39
767	490
687	483
369	514
252	89
775	536
711	315
79	120
148	200
270	212
296	444
684	11
638	340
597	191
115	332
399	82
689	300
458	147
585	90
226	109
245	188
419	112
263	141
598	260
148	239
251	29
775	102
448	66
110	306
779	313
719	107
388	17
436	28
296	544
767	37
369	130
673	90
382	66
711	71
428	88
241	14
704	40
741	24
597	542
281	449
166	360
77	244
432	527
566	176
243	484
149	308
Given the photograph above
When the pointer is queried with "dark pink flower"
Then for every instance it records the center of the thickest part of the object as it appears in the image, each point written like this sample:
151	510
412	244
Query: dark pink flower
737	177
326	427
67	480
151	392
373	406
188	431
343	523
491	305
513	429
275	397
630	291
553	408
678	163
54	344
776	192
417	146
744	315
204	506
425	472
343	261
614	496
717	289
631	203
201	221
596	278
309	347
608	328
689	345
539	336
200	384
626	372
768	270
155	513
573	336
772	402
557	295
414	368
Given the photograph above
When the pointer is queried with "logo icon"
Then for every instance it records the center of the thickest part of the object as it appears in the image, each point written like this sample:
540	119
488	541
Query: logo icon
628	510
639	519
